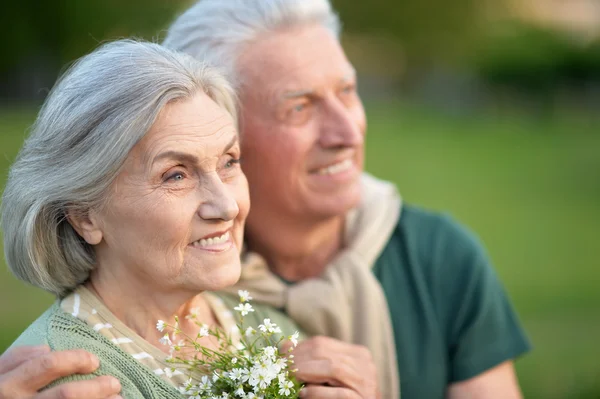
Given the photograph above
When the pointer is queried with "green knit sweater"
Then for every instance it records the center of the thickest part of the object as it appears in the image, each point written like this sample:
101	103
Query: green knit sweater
61	331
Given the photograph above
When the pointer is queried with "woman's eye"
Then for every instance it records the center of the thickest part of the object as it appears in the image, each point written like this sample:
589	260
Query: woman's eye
177	176
231	163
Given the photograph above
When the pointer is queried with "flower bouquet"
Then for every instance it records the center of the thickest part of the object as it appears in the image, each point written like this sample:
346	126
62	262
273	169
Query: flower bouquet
254	368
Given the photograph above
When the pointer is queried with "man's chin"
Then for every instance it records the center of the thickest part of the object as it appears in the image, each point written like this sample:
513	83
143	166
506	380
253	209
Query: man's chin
337	205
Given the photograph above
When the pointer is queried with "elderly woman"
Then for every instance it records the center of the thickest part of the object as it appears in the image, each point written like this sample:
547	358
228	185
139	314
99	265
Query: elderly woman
128	203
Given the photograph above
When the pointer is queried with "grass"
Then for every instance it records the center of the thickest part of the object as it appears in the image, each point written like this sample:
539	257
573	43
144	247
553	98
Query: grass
529	187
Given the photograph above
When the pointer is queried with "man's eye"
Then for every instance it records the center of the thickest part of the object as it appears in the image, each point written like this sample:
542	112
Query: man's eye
299	107
348	89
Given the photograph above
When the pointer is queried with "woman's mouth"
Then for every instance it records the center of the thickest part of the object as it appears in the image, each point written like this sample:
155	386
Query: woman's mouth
218	243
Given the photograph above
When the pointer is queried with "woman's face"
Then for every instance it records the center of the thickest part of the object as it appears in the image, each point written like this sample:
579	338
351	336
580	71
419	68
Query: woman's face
175	215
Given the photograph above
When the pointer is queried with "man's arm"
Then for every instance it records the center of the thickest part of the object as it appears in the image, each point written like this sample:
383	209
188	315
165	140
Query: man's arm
25	370
483	333
499	382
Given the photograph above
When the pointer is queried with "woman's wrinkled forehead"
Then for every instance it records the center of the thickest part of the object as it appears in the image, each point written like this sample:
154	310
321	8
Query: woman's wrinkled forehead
196	125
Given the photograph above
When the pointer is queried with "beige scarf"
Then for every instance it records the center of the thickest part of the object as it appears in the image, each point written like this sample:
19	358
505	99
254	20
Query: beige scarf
346	301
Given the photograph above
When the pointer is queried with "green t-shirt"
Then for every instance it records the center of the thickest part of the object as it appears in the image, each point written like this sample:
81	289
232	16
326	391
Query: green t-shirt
451	317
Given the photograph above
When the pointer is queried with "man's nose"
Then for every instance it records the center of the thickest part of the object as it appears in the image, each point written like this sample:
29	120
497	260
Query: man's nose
340	126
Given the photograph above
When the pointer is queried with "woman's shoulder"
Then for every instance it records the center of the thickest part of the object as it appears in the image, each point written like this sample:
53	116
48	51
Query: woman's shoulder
37	332
62	331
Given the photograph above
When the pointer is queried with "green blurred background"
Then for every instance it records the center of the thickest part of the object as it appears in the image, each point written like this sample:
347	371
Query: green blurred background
487	110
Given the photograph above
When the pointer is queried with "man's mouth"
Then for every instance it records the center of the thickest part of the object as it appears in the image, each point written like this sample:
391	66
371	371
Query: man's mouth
335	168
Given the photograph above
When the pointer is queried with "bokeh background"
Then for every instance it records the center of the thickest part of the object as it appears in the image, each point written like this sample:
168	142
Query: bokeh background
485	109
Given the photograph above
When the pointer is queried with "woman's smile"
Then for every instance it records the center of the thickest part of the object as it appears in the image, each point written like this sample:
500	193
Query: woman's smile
218	242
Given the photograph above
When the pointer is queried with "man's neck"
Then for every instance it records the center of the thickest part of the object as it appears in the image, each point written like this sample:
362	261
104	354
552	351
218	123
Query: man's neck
295	251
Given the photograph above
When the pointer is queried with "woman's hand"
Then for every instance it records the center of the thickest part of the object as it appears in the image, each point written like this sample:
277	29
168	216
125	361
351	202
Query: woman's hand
25	370
334	369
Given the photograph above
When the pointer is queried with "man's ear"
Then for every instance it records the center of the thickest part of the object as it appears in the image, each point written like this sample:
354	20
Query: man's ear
86	224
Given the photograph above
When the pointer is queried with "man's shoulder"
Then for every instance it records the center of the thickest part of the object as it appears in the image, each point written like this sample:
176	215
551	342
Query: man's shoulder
435	236
433	248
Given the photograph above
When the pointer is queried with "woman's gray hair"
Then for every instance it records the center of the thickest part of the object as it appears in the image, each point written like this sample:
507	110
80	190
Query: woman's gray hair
216	30
100	108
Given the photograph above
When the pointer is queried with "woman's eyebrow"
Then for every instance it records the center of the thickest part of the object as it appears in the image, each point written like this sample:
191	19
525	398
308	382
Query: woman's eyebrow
176	155
234	140
187	157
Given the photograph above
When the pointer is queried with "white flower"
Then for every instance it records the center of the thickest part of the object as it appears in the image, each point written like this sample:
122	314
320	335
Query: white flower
160	325
250	332
204	384
269	351
177	346
234	360
236	374
165	340
245	375
193	314
244	296
282	377
187	388
169	371
240	392
294	338
269	327
244	308
284	389
203	331
280	364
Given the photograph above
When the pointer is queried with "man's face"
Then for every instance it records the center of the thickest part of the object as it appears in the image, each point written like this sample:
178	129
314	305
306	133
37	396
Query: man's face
302	124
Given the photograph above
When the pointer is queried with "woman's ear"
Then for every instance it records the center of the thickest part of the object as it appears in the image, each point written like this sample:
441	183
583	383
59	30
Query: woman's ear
86	224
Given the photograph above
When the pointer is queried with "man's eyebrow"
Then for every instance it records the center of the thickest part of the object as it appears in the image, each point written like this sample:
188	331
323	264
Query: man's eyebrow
350	76
298	93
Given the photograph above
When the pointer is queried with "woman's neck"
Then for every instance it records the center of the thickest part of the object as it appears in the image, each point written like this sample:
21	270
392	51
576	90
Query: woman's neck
296	251
140	307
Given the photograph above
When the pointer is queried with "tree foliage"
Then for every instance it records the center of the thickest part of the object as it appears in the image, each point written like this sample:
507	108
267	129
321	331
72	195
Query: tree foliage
67	29
425	30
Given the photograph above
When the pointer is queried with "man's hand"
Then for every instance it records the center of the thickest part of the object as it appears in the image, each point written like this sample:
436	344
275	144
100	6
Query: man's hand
334	369
26	370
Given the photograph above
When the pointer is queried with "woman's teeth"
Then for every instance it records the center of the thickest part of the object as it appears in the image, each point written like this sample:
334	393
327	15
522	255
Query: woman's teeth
207	242
336	168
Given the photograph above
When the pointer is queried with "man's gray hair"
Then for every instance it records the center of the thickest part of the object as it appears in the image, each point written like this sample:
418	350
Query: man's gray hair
216	30
101	107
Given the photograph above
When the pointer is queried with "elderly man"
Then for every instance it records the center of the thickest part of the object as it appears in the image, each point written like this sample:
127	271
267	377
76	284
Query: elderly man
333	247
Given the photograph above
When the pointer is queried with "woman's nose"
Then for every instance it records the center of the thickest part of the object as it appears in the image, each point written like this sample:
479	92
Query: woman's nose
218	201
